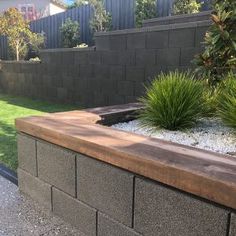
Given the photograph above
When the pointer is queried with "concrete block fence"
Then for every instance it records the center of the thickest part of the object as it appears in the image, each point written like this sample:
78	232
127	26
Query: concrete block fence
113	72
100	199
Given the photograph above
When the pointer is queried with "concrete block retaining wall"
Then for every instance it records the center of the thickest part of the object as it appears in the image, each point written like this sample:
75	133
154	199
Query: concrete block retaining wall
101	199
113	72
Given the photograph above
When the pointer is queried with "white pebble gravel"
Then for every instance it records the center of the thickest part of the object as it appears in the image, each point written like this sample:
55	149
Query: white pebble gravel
208	134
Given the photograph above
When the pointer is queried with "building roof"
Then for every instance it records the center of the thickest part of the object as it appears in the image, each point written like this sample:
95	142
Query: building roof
59	3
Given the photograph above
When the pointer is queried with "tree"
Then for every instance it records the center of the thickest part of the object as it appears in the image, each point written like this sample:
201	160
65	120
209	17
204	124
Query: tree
186	6
70	33
219	57
145	9
102	20
13	25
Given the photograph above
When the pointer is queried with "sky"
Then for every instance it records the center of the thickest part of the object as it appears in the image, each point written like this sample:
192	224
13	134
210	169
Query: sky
68	1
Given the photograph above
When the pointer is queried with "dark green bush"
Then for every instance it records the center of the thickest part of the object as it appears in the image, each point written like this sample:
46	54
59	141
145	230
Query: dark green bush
145	9
173	101
219	57
186	7
227	101
70	33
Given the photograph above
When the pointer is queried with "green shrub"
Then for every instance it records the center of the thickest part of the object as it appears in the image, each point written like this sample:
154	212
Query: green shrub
186	7
173	101
145	9
70	33
219	57
227	101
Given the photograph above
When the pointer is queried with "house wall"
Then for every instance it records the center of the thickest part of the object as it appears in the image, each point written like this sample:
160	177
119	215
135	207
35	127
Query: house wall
43	7
54	9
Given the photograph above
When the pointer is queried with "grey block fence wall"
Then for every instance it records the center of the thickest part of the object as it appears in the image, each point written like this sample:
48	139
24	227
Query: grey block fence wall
113	72
102	200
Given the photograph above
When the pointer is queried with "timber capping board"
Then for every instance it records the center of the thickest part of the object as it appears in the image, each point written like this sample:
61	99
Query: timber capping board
203	173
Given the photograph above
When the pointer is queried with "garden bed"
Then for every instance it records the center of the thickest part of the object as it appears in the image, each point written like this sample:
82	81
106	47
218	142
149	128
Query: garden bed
209	134
110	182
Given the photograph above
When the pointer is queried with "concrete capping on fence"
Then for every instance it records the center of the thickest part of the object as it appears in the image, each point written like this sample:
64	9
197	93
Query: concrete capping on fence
19	62
202	16
68	49
157	28
109	182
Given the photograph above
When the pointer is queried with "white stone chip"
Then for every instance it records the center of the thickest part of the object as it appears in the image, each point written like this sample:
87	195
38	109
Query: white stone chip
209	134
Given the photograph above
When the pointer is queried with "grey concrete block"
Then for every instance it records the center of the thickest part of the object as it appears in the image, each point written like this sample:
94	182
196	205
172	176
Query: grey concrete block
135	41
134	73
68	82
56	166
162	211
187	56
168	57
109	227
35	188
118	42
81	58
145	57
102	42
116	99
74	212
118	58
126	88
117	73
139	89
105	188
152	71
182	38
157	39
61	94
27	160
101	72
86	71
232	229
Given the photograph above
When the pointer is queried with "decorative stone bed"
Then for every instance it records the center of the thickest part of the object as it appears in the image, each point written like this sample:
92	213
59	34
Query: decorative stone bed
115	183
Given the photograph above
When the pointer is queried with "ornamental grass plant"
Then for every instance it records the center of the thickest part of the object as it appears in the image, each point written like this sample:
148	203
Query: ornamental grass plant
173	101
226	102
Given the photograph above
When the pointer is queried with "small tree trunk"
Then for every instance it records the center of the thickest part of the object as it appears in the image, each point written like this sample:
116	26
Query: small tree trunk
17	53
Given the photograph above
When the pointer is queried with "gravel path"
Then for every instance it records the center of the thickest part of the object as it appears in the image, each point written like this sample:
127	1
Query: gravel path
209	134
19	216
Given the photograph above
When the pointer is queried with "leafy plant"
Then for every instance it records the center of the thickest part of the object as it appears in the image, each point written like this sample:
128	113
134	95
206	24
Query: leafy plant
227	100
145	9
186	7
70	33
173	101
219	57
102	20
13	25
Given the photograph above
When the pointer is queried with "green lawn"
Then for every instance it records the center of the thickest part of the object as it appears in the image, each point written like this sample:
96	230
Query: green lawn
12	107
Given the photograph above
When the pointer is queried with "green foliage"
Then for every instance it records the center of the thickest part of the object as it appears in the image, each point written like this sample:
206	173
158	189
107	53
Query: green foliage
20	37
102	20
77	3
173	101
70	33
227	101
145	9
13	107
186	7
210	98
219	57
